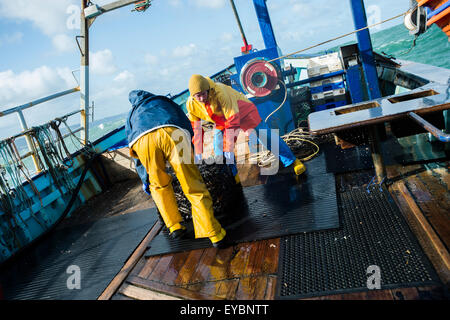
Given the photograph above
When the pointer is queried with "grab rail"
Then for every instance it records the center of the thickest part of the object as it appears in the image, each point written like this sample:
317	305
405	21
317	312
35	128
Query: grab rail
25	130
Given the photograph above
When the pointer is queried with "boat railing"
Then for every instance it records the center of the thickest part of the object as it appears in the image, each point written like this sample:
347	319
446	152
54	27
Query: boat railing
32	149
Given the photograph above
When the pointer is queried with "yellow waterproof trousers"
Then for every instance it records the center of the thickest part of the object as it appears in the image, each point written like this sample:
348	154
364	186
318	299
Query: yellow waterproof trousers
153	150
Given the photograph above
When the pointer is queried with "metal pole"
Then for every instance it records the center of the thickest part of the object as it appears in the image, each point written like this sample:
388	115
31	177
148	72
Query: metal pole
84	75
38	101
439	134
239	25
30	143
264	23
116	5
371	79
365	49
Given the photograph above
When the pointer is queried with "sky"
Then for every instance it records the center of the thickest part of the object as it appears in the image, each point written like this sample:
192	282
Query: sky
156	50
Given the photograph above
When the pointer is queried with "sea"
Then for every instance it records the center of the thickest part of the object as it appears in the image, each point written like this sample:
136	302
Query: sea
432	48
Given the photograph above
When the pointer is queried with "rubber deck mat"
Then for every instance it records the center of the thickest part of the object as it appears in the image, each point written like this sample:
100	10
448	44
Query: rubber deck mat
282	206
98	248
373	233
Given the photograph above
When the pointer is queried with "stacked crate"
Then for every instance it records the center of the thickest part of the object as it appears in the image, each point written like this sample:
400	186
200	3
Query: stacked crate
327	93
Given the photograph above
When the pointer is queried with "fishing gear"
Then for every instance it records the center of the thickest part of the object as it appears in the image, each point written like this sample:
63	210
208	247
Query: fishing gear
141	6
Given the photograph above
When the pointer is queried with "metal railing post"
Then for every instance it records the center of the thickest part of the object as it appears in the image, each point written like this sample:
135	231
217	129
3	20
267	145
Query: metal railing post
84	75
30	144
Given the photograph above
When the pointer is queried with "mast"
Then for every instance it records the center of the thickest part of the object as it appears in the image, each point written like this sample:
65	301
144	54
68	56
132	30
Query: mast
84	75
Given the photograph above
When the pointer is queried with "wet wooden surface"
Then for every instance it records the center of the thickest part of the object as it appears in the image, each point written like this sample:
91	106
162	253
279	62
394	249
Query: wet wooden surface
249	270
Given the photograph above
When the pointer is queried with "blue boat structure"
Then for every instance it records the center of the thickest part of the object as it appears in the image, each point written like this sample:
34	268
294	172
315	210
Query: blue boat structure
369	220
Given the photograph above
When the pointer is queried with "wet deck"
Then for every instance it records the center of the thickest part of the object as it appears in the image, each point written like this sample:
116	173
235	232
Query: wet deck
249	270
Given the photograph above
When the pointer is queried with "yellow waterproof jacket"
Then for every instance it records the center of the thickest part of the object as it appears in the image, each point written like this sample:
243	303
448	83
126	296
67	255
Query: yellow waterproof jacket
229	109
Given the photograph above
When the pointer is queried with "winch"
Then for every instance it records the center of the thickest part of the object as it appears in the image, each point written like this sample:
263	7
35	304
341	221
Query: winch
260	78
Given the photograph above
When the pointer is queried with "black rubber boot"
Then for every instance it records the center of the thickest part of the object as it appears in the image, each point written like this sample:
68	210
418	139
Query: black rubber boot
177	234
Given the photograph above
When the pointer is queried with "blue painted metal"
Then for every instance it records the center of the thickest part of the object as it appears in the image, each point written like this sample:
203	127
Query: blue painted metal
264	23
282	119
438	10
355	84
330	105
365	49
328	87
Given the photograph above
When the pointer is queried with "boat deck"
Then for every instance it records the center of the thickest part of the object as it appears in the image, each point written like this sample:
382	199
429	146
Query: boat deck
249	270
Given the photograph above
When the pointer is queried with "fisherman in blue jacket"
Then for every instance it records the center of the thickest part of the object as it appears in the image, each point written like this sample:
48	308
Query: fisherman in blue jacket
158	131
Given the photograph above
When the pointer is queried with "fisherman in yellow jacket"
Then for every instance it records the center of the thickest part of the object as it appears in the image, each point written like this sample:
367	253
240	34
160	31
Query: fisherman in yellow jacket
231	112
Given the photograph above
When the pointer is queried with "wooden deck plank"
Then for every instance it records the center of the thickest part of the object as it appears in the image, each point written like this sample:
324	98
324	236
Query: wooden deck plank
270	288
430	236
165	289
256	258
437	205
149	265
202	271
219	267
432	293
138	267
260	288
189	267
161	267
207	288
175	267
139	293
405	294
223	288
240	259
253	288
270	262
232	287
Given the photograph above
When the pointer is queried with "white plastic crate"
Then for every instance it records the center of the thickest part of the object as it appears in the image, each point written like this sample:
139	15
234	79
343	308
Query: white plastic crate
328	94
335	79
324	64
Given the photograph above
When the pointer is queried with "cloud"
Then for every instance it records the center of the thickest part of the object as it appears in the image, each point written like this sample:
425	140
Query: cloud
184	51
63	43
47	15
19	88
55	19
102	62
124	76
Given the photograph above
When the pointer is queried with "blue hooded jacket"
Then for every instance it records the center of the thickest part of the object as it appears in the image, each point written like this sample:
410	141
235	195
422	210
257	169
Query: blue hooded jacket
150	112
